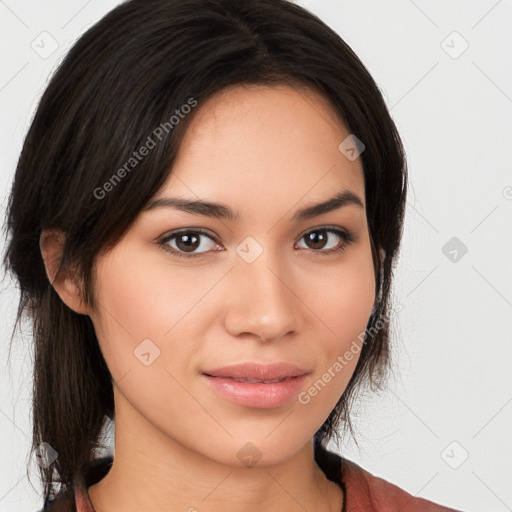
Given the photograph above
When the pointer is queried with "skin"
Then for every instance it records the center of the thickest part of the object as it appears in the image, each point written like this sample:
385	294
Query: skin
265	152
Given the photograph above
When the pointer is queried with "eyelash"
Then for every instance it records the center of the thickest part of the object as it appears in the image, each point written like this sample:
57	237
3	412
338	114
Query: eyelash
347	237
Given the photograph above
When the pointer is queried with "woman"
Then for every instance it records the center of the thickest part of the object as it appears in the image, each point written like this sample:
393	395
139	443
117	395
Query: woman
204	222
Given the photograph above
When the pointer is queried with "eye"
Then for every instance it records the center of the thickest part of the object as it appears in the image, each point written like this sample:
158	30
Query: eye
187	241
183	243
319	237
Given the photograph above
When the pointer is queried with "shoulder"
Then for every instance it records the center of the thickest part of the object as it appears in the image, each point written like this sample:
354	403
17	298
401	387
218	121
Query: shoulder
365	492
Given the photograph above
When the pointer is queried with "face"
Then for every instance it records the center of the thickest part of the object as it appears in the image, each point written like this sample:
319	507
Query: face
264	286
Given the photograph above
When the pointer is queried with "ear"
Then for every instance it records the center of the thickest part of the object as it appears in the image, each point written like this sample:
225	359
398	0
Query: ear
51	244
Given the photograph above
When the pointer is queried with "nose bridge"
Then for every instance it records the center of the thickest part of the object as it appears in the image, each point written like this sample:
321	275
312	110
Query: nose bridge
261	301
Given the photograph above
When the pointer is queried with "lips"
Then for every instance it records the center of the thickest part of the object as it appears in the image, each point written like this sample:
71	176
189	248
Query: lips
261	386
261	381
256	372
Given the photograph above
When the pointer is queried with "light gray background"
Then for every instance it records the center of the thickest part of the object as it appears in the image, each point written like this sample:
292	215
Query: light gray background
452	395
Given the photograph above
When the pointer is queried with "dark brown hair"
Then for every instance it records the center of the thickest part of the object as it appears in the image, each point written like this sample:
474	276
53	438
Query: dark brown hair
126	76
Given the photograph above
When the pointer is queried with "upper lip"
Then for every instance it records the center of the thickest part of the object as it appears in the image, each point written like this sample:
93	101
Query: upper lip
258	371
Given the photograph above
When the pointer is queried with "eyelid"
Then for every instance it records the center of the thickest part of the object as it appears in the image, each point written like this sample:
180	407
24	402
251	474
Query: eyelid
177	231
164	239
345	234
348	237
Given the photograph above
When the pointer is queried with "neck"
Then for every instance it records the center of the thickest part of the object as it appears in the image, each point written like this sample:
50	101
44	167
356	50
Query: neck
153	472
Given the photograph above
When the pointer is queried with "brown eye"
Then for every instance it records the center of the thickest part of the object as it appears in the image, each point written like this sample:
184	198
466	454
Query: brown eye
318	240
185	243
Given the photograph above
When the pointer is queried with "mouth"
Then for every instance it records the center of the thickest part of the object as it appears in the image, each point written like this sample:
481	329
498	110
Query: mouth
251	381
257	386
257	372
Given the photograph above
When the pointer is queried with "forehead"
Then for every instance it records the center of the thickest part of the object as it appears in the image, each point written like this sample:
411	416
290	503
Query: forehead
264	144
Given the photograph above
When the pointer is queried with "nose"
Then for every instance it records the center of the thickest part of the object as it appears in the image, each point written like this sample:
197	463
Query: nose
260	299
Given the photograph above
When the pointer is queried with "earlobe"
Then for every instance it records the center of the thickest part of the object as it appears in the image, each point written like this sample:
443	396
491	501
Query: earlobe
51	244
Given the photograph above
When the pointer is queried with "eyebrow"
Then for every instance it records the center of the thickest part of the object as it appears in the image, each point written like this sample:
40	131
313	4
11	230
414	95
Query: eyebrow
222	211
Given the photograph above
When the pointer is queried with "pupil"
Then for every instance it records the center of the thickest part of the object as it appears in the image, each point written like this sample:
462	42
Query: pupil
315	238
188	241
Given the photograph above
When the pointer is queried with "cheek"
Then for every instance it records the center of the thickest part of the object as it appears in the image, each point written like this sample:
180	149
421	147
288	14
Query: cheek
352	304
142	316
145	300
343	299
342	295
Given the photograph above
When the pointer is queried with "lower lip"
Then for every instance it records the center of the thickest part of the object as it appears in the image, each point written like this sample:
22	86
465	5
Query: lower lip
256	394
